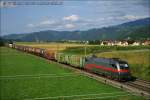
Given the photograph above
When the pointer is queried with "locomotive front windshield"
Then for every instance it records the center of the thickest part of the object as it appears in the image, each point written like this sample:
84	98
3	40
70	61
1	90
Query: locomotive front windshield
123	66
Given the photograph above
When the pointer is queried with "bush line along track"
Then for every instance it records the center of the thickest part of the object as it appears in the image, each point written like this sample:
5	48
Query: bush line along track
138	87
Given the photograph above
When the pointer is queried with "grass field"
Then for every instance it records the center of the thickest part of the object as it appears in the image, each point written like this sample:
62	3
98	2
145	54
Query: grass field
27	77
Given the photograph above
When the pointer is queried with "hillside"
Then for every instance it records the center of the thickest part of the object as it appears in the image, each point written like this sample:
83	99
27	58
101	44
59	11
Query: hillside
139	29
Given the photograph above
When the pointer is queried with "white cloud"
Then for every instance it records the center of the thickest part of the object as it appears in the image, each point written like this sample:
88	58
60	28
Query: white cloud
71	18
47	22
125	17
82	22
131	17
30	25
70	26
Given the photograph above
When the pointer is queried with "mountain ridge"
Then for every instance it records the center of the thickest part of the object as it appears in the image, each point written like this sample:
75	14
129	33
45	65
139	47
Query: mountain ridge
139	29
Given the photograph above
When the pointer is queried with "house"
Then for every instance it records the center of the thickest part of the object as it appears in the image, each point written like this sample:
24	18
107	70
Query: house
147	42
124	43
118	43
136	44
110	43
104	43
10	45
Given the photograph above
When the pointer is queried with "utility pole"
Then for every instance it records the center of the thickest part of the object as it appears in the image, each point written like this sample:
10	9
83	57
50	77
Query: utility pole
57	52
36	39
85	45
57	47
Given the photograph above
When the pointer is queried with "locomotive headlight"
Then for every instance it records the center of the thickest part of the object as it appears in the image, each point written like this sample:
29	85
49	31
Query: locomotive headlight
126	65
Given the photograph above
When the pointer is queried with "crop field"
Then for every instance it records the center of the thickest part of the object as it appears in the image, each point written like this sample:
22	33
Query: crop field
52	46
28	77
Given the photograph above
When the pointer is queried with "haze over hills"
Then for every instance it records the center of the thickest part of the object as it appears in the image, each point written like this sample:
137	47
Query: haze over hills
138	30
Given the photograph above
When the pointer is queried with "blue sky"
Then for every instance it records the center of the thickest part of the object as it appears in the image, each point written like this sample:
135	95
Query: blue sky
71	15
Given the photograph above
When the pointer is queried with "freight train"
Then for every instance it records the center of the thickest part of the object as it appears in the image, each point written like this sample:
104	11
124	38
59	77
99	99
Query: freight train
113	68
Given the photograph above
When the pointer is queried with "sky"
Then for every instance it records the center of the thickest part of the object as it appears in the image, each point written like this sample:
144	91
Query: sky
70	15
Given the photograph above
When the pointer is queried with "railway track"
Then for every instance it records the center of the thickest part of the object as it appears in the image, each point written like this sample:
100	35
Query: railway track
144	86
143	81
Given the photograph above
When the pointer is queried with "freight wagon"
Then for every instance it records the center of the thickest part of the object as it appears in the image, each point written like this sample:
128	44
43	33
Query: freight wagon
39	51
49	54
73	60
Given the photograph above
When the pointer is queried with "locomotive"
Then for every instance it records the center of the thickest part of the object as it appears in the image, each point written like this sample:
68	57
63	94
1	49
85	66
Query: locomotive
113	68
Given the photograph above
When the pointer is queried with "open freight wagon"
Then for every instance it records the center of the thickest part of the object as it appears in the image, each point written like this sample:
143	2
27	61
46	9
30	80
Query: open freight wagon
73	60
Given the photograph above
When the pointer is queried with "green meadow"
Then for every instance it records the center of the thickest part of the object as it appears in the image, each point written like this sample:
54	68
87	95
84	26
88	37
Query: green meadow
28	77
